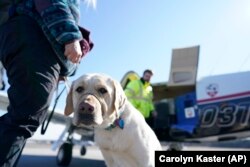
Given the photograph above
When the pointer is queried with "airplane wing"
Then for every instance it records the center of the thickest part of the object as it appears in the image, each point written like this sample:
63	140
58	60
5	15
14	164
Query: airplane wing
4	101
57	118
163	90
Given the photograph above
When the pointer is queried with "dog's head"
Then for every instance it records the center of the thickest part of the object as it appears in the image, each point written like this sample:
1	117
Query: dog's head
95	99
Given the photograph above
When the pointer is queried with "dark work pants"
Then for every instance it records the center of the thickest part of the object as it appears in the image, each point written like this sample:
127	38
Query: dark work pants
32	69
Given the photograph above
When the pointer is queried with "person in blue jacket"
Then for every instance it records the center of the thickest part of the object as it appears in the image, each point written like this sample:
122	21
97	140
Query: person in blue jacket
40	43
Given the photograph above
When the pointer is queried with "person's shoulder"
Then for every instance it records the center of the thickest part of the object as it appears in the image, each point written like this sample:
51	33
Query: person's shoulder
133	83
136	81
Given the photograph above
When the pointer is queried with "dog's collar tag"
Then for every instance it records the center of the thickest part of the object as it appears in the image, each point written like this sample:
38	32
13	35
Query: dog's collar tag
119	122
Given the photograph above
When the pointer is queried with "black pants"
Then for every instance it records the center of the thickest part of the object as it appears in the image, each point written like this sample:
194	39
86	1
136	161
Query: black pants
32	69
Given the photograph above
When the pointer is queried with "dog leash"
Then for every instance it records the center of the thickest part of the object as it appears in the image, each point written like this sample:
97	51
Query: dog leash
45	123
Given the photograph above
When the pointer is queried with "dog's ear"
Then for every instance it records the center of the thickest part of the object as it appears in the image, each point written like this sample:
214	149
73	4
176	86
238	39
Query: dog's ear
119	96
69	102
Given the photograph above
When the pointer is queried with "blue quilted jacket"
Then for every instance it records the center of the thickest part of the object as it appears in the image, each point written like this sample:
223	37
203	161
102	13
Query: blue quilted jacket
59	21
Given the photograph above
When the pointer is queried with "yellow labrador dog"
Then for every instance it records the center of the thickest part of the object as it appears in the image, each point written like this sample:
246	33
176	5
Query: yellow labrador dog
121	132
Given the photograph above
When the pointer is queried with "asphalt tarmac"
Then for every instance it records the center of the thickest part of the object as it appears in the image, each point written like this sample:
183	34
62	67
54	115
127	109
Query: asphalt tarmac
41	154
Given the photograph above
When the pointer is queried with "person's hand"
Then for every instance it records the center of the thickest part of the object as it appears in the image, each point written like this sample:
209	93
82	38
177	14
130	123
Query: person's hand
73	51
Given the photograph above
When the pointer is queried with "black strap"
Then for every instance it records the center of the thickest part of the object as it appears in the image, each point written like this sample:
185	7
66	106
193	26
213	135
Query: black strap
46	123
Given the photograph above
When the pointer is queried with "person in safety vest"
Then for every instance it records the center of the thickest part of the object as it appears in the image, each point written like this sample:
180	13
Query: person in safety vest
140	94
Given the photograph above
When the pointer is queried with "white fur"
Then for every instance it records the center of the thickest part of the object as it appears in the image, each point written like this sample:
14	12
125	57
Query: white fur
132	146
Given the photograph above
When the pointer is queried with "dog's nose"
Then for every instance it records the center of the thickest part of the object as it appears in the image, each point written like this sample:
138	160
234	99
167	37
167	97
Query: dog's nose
86	107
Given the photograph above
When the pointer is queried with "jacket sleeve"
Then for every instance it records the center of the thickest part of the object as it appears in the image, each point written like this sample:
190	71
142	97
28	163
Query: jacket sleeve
152	106
131	91
58	17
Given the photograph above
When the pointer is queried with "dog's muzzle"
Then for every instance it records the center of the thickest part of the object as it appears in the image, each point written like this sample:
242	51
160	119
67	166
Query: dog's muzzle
86	108
85	114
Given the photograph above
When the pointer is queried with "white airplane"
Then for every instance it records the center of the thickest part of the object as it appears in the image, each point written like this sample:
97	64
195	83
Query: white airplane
212	109
215	108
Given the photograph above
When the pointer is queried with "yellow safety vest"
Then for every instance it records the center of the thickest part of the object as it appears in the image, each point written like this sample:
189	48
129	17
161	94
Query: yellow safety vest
141	96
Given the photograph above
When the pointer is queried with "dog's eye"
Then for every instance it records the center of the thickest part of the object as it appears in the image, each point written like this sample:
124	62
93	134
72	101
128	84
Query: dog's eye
79	89
103	90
